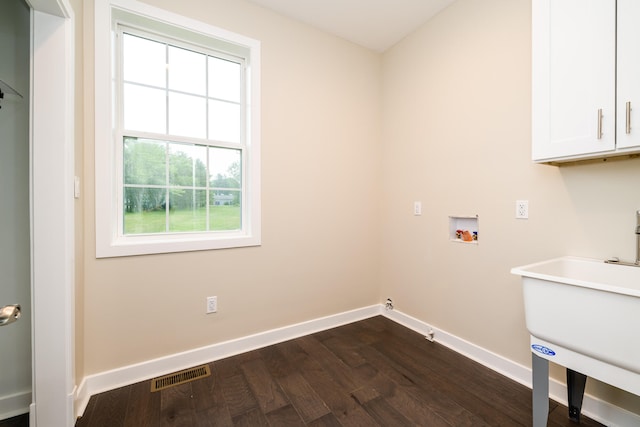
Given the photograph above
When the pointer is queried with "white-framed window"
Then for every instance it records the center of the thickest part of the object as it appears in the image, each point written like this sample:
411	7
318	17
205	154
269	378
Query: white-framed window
177	133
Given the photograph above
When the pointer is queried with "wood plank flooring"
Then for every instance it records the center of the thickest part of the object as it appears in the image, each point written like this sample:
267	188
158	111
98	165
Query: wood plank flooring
19	421
369	373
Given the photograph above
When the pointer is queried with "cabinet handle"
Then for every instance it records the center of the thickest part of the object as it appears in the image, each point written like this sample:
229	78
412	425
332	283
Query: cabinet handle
599	123
628	116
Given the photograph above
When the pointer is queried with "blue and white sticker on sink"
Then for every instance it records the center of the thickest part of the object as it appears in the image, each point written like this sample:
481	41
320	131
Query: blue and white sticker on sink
543	349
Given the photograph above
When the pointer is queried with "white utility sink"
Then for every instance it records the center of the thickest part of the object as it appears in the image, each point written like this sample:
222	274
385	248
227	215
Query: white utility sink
586	272
584	314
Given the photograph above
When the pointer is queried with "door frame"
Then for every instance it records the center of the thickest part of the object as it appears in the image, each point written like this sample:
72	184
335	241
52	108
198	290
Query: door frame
52	212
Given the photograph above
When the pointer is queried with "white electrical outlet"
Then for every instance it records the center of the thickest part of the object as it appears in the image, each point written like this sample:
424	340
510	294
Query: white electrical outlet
522	209
212	304
417	208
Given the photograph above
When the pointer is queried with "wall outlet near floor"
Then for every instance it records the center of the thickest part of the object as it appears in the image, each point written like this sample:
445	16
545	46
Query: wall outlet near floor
212	304
430	335
522	209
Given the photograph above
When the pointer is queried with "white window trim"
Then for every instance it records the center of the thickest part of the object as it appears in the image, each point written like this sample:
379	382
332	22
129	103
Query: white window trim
109	241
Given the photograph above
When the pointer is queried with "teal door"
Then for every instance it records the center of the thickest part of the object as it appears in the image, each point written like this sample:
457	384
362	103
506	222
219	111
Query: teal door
15	276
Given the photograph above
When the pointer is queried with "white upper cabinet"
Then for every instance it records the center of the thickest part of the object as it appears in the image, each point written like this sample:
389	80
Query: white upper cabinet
628	102
574	99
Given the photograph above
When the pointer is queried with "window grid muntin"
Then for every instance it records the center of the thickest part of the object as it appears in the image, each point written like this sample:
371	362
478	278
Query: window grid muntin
121	133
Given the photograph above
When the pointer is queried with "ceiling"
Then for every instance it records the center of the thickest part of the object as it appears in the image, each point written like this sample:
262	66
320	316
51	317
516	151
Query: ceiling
374	24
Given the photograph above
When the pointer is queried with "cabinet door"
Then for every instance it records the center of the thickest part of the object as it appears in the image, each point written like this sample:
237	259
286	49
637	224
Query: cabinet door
628	123
573	78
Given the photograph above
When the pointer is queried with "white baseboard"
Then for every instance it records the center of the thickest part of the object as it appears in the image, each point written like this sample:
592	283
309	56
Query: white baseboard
32	414
104	381
14	404
594	408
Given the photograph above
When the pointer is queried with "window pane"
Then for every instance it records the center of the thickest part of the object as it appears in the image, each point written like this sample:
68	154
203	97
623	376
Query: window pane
187	165
144	162
224	79
224	168
225	198
144	61
225	210
187	210
144	109
187	115
224	121
144	210
187	71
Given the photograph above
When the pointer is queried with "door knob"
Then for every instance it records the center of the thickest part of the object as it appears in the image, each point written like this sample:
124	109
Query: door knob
9	314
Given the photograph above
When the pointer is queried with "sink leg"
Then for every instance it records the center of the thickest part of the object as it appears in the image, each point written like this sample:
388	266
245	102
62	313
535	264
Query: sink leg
540	368
575	391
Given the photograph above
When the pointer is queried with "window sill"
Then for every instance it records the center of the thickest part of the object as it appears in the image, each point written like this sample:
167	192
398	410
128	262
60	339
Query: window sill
162	244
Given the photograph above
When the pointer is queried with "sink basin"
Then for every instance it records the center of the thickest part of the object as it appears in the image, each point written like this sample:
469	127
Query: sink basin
586	272
585	314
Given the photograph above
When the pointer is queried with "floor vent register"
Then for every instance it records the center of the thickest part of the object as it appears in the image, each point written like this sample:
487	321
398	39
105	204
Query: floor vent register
180	377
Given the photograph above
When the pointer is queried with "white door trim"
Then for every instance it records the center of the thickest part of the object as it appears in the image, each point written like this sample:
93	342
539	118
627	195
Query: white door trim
52	212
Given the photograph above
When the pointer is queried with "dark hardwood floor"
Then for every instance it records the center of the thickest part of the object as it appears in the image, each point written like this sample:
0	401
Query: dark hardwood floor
369	373
19	421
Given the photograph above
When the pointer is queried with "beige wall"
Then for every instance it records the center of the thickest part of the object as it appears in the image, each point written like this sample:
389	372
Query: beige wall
79	136
321	99
350	139
456	135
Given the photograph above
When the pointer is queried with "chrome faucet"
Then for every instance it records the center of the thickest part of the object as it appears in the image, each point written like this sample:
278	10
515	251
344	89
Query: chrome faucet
616	260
